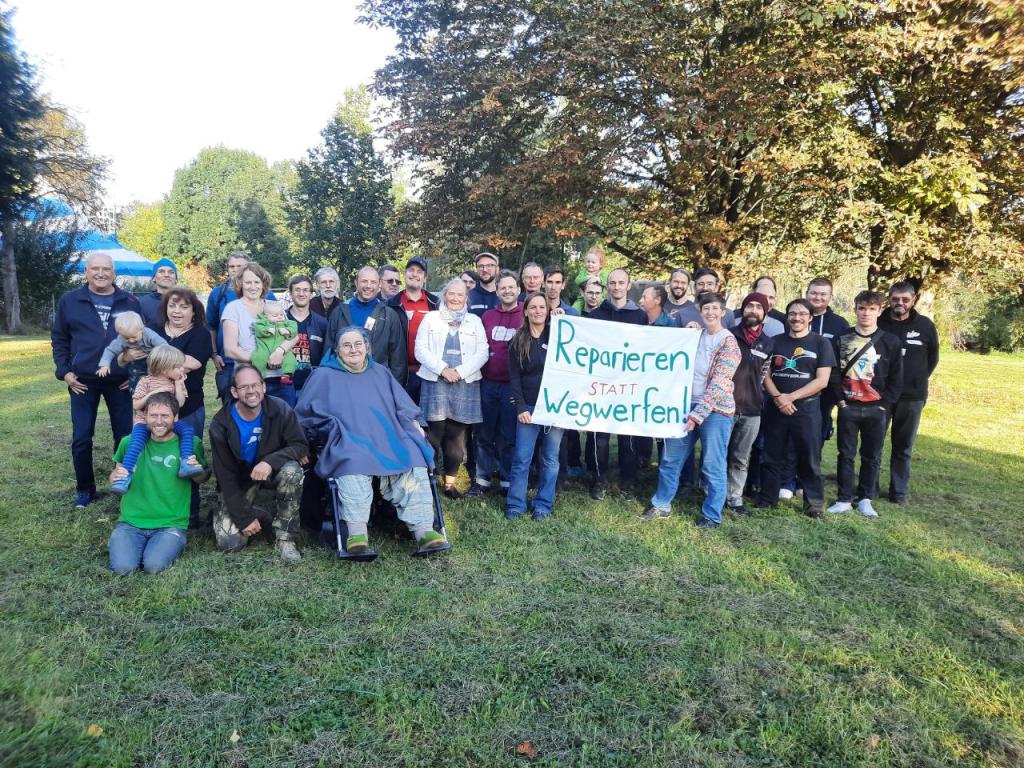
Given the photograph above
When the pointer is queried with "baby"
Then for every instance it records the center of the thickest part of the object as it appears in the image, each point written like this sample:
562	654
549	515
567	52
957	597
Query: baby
166	374
132	333
593	269
271	328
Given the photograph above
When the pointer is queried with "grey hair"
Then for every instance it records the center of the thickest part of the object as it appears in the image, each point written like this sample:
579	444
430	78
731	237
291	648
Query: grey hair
449	284
326	271
352	329
96	255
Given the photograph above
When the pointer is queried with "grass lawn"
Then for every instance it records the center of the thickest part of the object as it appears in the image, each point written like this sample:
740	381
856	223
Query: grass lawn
598	639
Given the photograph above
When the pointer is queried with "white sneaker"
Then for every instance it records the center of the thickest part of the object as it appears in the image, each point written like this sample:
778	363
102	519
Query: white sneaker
799	493
839	507
865	508
289	552
785	494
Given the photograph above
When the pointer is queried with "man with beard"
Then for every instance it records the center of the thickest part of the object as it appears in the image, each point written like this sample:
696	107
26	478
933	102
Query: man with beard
920	342
484	296
774	321
755	347
327	281
799	369
554	284
678	288
705	280
411	306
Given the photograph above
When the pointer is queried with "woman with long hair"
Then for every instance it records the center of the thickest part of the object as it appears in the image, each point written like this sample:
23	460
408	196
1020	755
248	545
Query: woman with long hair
527	352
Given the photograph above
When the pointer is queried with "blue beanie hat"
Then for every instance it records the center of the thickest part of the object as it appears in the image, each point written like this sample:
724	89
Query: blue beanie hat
165	263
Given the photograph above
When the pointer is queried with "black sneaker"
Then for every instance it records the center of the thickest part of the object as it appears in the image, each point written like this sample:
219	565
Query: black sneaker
705	523
596	492
628	490
476	490
653	513
739	510
452	492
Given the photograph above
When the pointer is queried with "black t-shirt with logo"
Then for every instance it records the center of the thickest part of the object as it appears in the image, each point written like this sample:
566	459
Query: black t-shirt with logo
795	362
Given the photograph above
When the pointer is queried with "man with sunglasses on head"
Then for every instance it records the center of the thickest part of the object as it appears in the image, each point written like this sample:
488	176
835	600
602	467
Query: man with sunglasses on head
799	368
920	343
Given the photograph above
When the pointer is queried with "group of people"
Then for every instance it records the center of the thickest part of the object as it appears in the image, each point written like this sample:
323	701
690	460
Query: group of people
371	392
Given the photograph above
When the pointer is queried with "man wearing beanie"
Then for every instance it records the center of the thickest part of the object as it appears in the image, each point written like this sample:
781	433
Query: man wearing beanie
755	346
164	278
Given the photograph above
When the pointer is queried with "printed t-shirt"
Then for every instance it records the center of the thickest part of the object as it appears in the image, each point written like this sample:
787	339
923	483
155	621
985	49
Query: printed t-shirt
248	433
857	381
415	311
157	498
795	362
103	303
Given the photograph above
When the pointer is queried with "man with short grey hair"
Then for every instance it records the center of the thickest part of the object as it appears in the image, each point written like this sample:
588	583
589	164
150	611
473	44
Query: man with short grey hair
367	310
327	282
82	329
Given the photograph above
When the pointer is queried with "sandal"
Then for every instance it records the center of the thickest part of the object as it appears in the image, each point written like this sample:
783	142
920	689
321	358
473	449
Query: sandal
358	543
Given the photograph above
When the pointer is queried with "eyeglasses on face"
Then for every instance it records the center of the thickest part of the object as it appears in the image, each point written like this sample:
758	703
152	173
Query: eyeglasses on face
805	313
349	346
392	281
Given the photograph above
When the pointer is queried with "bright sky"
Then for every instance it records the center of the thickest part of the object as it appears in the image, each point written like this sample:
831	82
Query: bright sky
153	83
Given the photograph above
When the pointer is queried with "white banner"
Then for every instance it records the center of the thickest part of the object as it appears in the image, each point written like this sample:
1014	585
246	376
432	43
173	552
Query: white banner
603	376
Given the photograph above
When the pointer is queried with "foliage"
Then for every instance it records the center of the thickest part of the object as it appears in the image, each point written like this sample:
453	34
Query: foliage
981	317
714	132
20	108
599	639
42	251
226	200
140	229
342	197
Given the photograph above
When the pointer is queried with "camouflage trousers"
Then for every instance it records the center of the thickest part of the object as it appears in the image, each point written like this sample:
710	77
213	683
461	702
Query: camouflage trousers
287	486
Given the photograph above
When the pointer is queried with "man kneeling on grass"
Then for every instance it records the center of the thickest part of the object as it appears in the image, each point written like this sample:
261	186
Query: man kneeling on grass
257	443
369	427
154	512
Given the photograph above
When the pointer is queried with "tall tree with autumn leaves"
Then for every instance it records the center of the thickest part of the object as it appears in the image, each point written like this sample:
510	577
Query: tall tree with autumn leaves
722	132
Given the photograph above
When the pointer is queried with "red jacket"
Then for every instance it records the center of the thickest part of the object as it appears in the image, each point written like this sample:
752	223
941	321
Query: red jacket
500	326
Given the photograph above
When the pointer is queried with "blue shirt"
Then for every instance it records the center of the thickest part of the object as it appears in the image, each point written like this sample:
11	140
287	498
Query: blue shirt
103	304
248	433
359	310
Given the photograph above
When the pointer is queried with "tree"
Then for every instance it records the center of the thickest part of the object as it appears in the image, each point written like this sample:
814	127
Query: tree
225	200
713	132
141	227
342	198
43	151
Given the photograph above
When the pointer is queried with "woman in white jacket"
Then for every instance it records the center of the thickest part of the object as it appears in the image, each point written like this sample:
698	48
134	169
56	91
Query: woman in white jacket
451	348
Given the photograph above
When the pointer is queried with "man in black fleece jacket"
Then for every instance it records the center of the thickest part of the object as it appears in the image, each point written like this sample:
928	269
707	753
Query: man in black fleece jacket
617	308
257	442
870	380
920	343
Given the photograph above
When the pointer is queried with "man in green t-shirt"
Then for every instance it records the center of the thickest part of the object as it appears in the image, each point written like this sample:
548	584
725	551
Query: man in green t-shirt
154	513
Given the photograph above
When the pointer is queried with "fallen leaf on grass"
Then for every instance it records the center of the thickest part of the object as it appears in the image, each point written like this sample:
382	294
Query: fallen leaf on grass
872	741
526	749
234	737
94	730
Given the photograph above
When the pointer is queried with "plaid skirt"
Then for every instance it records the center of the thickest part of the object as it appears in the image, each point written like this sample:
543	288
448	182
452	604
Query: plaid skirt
460	401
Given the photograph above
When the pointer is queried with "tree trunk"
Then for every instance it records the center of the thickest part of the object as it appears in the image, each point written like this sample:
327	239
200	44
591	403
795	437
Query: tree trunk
9	268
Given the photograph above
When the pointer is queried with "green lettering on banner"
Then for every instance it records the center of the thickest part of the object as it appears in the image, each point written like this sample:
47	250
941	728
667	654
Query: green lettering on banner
561	341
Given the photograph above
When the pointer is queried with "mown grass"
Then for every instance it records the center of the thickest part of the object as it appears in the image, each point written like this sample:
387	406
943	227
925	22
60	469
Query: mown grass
600	640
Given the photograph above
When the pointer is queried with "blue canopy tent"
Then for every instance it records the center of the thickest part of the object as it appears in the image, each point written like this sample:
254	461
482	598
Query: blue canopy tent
127	263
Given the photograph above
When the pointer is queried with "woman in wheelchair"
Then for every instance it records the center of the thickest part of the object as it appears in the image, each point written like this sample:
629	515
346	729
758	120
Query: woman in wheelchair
368	427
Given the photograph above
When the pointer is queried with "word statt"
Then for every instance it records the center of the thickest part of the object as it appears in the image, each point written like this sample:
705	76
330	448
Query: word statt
614	377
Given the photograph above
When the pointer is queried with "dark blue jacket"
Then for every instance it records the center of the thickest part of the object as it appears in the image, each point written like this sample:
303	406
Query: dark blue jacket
480	301
150	303
78	338
630	312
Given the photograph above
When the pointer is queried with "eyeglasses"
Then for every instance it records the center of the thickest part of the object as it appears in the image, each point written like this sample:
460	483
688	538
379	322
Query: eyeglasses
799	314
393	281
247	387
349	346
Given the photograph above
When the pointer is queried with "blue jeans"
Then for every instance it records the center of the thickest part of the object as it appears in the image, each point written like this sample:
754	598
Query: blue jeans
527	436
83	423
496	434
277	389
152	548
714	437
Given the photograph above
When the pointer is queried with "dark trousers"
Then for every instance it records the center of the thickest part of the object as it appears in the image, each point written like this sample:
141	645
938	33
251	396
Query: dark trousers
597	458
84	408
802	430
412	387
867	422
570	454
905	419
448	439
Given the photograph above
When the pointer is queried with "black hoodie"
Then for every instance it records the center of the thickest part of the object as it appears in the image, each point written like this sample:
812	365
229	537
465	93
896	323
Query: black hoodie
920	343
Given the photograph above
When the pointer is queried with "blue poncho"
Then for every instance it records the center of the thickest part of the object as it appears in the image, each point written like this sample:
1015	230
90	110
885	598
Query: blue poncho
364	422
